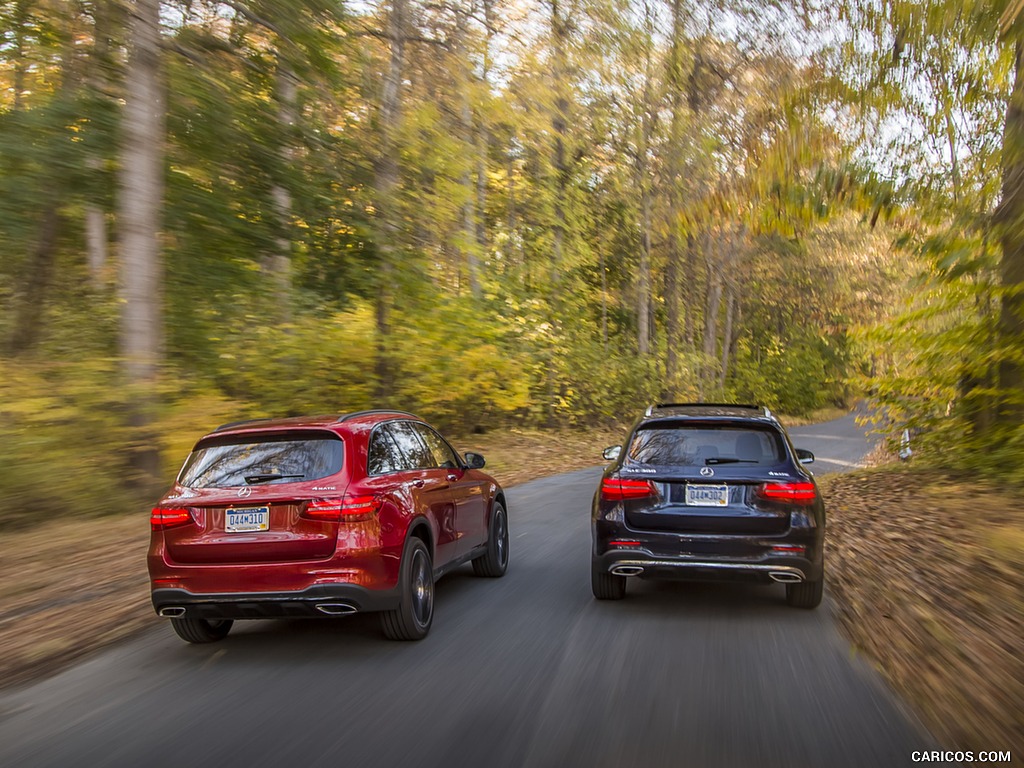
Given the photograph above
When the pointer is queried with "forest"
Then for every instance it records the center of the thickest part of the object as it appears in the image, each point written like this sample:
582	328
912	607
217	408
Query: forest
501	214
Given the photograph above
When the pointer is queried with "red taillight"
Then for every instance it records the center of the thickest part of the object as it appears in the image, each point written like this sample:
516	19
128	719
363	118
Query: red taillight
360	507
617	489
349	509
163	518
797	493
624	543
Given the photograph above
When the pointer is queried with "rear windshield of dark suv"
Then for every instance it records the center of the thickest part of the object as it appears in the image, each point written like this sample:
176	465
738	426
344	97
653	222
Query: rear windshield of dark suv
262	460
699	445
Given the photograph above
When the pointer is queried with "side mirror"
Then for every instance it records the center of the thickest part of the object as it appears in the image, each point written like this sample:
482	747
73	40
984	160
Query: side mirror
804	456
475	460
612	452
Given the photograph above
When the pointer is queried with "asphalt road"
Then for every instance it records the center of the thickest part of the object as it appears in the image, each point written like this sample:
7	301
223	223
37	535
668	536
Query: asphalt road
528	670
838	446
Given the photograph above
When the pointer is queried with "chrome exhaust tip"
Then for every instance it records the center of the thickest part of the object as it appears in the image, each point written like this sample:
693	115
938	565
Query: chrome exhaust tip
335	609
627	570
785	577
174	612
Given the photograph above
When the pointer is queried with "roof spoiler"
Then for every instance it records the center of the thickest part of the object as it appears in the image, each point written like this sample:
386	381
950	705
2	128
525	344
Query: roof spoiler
233	424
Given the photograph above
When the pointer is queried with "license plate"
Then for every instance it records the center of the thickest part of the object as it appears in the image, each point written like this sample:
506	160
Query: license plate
707	495
247	520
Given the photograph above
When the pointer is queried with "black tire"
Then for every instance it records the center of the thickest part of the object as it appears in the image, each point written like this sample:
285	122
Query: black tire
201	630
494	562
806	594
412	618
606	586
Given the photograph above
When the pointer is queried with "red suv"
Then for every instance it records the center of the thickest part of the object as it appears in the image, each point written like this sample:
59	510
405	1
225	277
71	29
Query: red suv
321	517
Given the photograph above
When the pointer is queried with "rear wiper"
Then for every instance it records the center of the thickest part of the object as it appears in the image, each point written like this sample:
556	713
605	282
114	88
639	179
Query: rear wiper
716	460
251	479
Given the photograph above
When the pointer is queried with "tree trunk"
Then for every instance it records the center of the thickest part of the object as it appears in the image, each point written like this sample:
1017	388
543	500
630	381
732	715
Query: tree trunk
98	79
31	303
28	320
604	300
470	228
672	316
644	184
727	340
1011	266
643	313
674	195
20	61
692	295
484	135
559	126
385	187
713	306
96	243
279	264
141	193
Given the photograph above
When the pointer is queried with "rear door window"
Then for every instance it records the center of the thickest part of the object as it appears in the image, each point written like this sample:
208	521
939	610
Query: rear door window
693	445
384	454
412	446
266	459
443	454
396	446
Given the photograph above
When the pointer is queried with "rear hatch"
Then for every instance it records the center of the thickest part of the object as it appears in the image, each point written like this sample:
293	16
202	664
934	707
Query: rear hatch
707	478
252	498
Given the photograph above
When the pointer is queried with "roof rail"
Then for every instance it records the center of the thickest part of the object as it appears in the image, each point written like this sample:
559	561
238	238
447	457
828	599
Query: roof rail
347	416
651	408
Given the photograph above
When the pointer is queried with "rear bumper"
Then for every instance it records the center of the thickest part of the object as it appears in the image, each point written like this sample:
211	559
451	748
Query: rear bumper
709	557
646	565
320	601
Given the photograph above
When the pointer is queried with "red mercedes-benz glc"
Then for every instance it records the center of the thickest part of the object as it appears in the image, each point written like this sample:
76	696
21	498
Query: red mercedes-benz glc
321	517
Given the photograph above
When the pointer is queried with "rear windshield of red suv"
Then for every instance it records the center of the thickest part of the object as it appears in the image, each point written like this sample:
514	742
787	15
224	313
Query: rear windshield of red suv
693	445
266	459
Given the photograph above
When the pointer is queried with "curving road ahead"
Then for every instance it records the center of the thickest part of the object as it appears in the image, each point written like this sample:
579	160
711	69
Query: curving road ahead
528	670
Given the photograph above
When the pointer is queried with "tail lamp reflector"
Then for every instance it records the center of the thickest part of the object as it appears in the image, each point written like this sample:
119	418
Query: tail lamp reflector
797	493
621	543
163	518
618	489
789	549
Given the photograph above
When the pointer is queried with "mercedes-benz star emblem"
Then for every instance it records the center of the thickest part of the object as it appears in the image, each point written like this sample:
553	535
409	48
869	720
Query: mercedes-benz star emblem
245	492
705	472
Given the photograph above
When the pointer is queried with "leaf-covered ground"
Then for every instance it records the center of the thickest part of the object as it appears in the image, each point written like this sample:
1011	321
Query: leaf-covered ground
927	571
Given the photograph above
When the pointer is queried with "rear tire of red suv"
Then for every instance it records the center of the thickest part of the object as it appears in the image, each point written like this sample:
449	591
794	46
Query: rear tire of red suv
494	562
412	618
201	630
806	594
606	586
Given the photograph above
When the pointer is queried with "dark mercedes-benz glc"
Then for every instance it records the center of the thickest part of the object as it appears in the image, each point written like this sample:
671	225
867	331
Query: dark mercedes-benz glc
708	491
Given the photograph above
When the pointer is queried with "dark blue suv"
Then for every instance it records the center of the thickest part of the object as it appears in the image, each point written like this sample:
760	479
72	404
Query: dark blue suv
709	491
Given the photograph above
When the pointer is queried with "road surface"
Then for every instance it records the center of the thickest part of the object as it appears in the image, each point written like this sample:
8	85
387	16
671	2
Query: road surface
838	446
528	670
